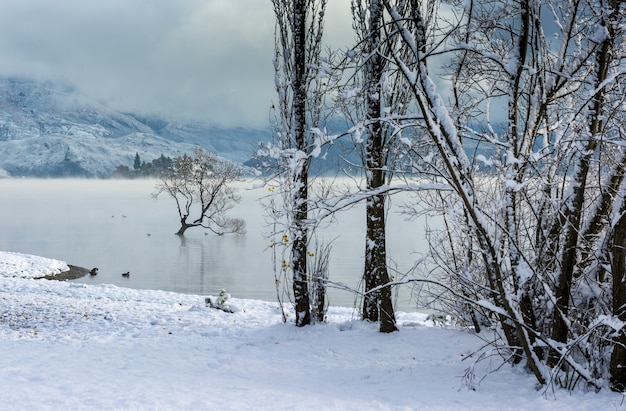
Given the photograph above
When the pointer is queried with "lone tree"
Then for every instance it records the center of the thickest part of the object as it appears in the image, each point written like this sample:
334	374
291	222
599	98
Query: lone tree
201	185
137	162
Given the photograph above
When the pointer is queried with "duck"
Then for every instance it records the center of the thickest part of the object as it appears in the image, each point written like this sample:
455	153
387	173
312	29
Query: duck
126	274
93	271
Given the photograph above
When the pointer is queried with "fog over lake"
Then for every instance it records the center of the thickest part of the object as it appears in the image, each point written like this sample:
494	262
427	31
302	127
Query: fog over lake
117	226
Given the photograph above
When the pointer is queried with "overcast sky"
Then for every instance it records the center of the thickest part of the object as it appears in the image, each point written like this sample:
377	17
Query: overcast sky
209	60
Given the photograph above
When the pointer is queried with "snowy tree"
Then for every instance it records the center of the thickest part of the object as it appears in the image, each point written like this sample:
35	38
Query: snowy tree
375	94
298	70
137	162
596	143
201	185
537	198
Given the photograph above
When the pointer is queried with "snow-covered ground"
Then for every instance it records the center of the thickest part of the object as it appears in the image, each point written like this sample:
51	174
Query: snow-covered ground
67	346
28	266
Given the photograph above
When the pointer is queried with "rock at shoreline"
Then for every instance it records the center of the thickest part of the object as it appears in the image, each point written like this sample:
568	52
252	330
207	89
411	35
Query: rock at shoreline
73	273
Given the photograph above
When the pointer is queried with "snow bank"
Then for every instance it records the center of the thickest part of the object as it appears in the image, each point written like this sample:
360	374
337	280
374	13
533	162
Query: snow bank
70	346
28	266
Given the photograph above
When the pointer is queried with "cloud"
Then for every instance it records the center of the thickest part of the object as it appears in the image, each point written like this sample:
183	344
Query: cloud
207	60
199	59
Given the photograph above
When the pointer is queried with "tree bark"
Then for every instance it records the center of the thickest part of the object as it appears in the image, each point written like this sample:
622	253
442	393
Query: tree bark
377	305
618	267
299	246
574	209
184	225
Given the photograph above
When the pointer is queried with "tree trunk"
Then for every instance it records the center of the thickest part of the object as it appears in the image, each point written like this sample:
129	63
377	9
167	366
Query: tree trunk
377	305
575	205
298	255
319	300
299	246
618	267
183	227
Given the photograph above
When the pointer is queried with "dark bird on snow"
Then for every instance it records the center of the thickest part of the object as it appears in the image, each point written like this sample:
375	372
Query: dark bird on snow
126	274
94	271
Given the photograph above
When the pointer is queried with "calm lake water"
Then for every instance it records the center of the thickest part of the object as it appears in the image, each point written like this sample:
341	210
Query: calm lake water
117	226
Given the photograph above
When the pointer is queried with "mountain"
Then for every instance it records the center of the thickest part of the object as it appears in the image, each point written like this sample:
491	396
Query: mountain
50	130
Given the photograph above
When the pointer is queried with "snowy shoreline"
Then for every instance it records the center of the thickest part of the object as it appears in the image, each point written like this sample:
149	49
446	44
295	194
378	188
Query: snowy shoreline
29	266
77	346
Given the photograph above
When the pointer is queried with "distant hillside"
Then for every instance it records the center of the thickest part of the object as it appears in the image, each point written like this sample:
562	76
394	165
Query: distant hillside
50	130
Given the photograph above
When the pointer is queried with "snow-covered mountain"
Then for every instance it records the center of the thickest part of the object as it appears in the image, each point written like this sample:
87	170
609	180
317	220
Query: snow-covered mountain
50	130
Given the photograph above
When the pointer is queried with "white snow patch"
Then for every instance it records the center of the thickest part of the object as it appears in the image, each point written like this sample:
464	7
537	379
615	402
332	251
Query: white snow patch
487	162
28	266
601	34
513	185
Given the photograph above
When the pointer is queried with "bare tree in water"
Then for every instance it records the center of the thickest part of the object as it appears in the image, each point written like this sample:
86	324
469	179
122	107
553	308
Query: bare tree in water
201	185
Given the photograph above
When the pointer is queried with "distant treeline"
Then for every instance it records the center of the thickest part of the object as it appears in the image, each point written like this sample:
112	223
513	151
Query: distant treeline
142	169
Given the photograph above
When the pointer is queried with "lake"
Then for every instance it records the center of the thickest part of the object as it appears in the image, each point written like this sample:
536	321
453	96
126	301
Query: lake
117	226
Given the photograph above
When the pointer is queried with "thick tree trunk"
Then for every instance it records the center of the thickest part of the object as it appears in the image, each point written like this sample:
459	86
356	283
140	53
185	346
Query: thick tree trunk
183	227
299	246
377	305
298	255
